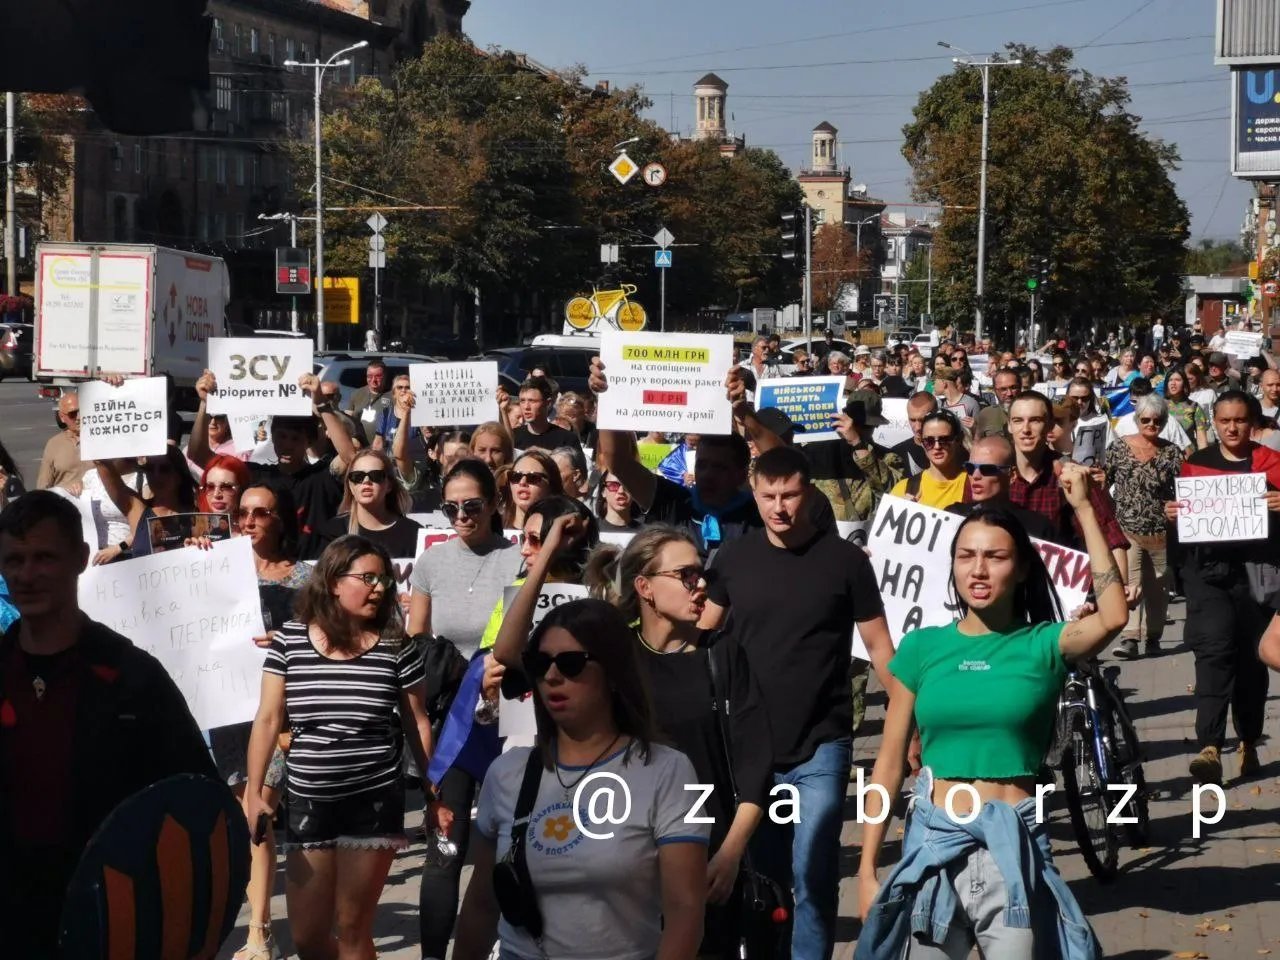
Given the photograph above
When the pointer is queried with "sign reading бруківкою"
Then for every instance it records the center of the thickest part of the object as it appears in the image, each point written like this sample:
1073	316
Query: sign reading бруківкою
259	375
1224	506
447	394
672	382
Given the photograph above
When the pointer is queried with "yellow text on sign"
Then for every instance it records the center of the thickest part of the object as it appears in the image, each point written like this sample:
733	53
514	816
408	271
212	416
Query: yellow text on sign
667	354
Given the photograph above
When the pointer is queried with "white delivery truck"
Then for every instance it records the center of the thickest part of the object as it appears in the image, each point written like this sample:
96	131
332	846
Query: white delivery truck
134	309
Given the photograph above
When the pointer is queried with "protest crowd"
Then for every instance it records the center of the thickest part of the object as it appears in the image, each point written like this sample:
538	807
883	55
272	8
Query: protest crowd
485	618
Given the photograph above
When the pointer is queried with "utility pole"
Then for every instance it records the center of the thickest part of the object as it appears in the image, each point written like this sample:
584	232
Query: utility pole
985	66
10	232
293	297
808	274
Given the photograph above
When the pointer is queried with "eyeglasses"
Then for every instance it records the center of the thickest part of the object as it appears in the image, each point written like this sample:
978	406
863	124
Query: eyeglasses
532	479
613	486
218	487
357	477
986	469
689	577
401	386
570	663
472	507
930	442
257	513
373	579
72	414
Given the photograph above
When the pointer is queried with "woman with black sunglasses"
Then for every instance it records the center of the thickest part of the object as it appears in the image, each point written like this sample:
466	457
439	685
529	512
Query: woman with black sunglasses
658	583
456	586
373	506
532	477
640	891
944	481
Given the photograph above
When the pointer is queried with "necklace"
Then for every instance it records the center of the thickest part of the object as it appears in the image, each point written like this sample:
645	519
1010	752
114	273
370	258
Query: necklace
662	653
484	562
568	787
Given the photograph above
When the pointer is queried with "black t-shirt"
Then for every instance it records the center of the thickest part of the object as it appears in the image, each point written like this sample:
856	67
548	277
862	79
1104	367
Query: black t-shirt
682	696
673	504
1037	525
399	540
793	612
912	455
315	490
551	439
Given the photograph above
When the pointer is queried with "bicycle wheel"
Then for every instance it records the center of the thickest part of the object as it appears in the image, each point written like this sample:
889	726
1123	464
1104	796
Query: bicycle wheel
631	316
580	313
1087	804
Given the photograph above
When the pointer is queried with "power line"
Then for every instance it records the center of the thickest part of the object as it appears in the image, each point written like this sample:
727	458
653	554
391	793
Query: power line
1121	21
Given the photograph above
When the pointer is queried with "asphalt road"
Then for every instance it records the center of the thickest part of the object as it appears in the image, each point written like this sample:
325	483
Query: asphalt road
26	424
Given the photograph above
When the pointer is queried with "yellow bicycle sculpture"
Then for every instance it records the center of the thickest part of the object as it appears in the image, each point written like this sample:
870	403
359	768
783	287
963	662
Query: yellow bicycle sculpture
612	305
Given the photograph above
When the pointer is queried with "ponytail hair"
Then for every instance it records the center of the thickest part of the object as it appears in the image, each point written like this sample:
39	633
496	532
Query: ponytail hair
610	573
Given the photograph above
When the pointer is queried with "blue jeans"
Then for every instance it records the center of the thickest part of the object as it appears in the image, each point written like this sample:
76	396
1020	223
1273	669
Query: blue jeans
806	855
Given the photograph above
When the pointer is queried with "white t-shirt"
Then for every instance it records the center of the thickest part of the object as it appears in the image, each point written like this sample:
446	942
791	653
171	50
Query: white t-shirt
113	526
1157	331
593	893
1127	426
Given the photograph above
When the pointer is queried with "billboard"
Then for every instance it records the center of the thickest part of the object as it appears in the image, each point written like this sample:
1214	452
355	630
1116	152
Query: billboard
1255	122
1248	32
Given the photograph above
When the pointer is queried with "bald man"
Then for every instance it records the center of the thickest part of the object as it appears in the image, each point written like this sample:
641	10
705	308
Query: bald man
1269	390
61	466
990	468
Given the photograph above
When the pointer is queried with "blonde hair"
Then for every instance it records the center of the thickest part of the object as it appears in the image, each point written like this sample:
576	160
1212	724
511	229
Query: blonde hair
398	500
610	573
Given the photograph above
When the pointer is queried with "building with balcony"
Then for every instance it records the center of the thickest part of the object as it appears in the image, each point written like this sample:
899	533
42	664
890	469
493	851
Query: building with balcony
710	95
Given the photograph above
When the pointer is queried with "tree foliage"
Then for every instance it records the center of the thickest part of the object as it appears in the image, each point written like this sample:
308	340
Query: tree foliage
1071	177
1210	257
836	261
516	161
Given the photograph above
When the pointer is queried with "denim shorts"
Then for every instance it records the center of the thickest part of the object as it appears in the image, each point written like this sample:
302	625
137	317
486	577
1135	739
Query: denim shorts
373	820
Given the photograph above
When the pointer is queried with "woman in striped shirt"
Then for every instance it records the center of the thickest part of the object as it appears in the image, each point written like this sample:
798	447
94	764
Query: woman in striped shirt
340	671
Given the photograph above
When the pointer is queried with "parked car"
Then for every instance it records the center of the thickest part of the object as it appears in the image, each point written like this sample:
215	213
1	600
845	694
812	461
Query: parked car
16	340
566	360
348	368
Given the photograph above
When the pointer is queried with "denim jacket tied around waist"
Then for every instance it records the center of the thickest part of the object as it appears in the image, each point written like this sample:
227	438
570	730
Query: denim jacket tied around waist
917	898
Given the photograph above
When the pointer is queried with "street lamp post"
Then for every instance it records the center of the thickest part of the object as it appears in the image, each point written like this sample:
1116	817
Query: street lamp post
320	67
857	249
293	219
985	66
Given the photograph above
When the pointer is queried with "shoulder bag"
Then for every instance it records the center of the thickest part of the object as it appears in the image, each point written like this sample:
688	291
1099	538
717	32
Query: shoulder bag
512	884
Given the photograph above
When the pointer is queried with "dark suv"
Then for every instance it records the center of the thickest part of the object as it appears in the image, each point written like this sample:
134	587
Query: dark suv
568	366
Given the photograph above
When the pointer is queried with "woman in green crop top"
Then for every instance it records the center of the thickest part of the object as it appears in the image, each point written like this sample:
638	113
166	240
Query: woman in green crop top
983	692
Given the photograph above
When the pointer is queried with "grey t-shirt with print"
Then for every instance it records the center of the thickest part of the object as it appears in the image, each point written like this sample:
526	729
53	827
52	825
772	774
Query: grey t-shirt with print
594	891
464	586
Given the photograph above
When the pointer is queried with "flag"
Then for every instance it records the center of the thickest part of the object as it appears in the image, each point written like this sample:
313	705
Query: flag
1119	402
463	742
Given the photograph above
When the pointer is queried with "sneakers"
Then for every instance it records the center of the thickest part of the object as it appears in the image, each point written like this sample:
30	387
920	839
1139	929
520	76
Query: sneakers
1126	649
1249	763
1206	766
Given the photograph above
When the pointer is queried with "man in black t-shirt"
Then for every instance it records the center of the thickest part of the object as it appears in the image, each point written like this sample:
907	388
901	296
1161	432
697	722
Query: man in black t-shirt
790	594
536	396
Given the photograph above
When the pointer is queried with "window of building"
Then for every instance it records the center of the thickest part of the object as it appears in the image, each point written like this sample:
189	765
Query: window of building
117	157
221	159
222	90
239	237
216	36
235	39
137	158
257	170
290	50
239	169
204	226
271	47
303	55
219	226
255	40
119	219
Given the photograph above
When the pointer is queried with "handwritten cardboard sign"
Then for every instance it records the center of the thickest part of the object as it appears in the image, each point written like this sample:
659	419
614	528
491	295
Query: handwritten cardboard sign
196	611
1090	442
810	402
898	428
1242	343
131	420
454	394
259	375
672	382
515	717
1224	506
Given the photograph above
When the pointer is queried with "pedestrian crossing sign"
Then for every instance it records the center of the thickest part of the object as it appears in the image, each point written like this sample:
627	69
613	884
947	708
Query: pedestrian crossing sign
662	258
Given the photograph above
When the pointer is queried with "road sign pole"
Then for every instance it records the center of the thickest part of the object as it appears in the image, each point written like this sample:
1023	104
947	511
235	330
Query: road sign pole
662	301
293	300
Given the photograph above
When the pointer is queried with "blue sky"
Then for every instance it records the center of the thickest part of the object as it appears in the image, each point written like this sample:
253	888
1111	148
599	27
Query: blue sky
788	66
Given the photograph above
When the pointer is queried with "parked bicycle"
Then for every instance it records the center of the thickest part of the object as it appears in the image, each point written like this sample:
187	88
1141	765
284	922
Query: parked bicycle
1100	749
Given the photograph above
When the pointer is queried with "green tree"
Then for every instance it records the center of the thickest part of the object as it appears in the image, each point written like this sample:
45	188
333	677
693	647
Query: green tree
1071	178
1211	256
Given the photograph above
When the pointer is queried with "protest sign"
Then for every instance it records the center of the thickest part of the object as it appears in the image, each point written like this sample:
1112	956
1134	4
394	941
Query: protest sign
454	394
618	539
910	549
170	532
259	375
809	402
666	381
402	570
434	536
1090	442
131	420
515	717
197	612
1242	343
248	430
898	429
1221	506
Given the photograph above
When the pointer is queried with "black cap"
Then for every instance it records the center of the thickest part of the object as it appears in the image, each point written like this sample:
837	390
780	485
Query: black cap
863	408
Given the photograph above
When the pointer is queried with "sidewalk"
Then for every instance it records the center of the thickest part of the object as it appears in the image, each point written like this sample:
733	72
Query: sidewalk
1209	899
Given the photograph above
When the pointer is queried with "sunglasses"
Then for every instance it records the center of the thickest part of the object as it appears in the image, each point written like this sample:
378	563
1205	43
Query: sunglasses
613	486
382	580
72	414
570	663
218	487
1149	420
257	513
357	477
532	479
986	469
689	577
930	442
472	507
533	540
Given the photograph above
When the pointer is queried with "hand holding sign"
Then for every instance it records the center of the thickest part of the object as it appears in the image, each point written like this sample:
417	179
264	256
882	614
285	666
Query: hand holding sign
259	375
124	418
596	381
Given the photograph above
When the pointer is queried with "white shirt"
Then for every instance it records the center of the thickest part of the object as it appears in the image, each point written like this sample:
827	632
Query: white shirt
1157	331
112	525
1127	426
1217	341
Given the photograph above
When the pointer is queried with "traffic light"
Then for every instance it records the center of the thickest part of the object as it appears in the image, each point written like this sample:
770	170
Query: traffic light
1040	270
793	235
1045	269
